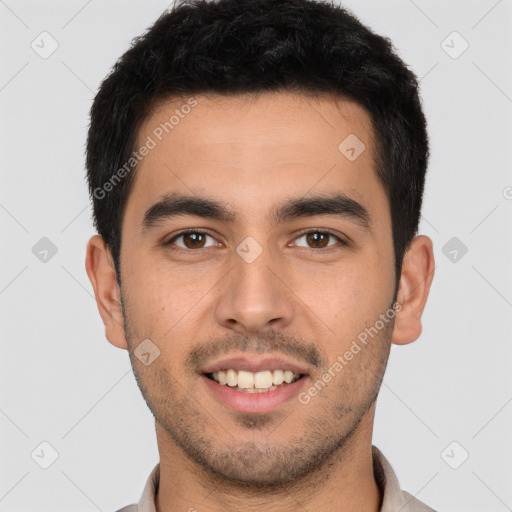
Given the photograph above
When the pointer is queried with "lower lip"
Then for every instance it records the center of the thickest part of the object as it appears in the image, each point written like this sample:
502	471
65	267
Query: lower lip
254	402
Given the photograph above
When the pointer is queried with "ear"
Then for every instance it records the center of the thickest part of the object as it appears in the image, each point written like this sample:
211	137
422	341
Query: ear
101	271
415	280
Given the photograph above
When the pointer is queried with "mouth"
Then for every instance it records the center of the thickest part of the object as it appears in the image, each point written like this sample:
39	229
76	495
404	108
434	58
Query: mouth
252	385
254	382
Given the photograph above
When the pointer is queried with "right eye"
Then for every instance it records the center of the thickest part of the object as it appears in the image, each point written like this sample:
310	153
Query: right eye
193	239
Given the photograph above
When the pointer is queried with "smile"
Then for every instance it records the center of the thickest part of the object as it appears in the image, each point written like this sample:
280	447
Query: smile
254	382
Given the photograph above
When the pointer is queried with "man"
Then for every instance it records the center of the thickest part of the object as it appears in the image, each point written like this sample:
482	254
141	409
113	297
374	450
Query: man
256	169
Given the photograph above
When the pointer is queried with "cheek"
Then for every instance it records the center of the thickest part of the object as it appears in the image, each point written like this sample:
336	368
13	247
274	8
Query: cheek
152	304
166	305
351	296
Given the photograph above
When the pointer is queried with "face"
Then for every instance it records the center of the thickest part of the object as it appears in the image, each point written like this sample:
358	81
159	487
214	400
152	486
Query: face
268	286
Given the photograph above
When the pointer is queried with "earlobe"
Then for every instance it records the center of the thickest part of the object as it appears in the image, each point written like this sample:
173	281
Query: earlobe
415	281
100	269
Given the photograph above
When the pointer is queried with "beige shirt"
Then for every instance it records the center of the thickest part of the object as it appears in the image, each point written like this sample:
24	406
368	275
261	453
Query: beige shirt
394	499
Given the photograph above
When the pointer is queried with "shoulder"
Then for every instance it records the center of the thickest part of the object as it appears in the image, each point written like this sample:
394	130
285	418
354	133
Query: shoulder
129	508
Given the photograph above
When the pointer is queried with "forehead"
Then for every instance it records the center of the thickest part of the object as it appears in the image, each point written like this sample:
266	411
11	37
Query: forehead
249	151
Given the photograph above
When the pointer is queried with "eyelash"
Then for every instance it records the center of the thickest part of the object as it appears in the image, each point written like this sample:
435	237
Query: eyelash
169	243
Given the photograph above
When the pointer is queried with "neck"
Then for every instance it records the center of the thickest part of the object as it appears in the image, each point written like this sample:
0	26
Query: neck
346	479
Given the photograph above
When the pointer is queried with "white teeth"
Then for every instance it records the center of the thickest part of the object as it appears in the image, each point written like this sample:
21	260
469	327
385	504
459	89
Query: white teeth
288	376
264	380
278	377
231	377
245	379
254	390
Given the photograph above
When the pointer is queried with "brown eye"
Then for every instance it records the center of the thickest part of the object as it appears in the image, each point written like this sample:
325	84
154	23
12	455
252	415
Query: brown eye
319	239
191	240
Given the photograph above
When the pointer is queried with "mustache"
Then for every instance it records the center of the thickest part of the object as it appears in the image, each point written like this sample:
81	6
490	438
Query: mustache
271	342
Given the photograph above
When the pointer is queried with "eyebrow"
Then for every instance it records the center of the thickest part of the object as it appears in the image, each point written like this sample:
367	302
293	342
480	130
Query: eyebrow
175	205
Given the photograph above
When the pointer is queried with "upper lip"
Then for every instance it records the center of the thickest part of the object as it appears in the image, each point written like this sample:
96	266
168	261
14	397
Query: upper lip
254	363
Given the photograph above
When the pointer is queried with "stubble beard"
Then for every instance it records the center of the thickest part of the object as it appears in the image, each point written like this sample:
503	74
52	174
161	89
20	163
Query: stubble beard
271	466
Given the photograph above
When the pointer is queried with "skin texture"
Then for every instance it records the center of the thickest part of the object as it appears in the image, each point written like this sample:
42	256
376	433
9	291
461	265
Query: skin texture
253	153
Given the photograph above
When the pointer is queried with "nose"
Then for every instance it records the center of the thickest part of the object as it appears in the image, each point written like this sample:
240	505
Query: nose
255	296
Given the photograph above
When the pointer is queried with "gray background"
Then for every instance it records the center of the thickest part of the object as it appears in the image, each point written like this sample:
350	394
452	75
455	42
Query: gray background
64	384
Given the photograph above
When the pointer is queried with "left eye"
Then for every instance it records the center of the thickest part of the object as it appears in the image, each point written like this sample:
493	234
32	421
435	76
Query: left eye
320	237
